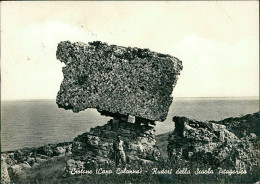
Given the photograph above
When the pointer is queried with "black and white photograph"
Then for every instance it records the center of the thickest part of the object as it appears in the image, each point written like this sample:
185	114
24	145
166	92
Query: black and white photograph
130	92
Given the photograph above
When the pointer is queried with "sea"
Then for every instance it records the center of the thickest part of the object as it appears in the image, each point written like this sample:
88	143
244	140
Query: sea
35	123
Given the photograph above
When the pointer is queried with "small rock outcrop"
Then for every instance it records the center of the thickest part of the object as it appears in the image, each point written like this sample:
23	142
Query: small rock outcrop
15	163
232	142
117	80
95	148
242	126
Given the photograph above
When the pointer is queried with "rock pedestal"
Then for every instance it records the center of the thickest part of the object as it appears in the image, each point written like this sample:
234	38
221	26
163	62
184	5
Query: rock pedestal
95	148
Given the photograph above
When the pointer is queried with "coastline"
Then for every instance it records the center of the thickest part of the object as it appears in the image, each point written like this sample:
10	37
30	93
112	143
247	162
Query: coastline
182	171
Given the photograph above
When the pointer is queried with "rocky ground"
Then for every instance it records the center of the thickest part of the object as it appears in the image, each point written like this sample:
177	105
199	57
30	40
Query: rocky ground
232	143
16	163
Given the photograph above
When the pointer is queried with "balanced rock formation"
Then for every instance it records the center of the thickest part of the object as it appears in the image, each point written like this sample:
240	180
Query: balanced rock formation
95	148
117	80
228	143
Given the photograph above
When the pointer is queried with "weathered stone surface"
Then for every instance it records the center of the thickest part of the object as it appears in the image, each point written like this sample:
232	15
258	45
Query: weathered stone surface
116	80
95	148
14	163
227	143
74	165
242	126
4	172
18	170
59	151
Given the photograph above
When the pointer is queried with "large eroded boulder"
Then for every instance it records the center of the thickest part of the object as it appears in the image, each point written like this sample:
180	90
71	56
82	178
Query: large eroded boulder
117	80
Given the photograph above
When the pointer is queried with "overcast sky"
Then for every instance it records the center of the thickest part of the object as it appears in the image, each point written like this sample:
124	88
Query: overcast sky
217	42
